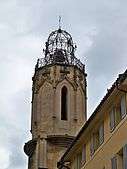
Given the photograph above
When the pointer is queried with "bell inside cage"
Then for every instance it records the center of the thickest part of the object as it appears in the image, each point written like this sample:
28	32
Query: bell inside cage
59	56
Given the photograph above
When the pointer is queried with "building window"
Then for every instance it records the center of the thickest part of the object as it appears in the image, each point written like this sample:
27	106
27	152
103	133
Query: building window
118	112
123	106
97	138
112	119
120	159
92	149
79	159
101	133
84	154
125	157
114	163
64	103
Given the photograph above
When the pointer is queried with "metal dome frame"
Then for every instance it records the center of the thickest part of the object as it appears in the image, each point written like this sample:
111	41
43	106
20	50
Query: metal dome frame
59	49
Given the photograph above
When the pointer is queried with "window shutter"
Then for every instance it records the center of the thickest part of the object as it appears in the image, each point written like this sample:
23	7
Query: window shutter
114	163
123	106
117	115
112	119
75	163
125	157
79	159
101	134
84	153
92	145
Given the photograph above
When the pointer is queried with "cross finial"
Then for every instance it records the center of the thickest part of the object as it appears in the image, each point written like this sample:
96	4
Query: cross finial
59	22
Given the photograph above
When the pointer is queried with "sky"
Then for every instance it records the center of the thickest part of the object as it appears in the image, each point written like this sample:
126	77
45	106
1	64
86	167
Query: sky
98	27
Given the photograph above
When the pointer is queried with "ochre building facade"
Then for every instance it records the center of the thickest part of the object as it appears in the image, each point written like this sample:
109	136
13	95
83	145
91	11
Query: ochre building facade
102	141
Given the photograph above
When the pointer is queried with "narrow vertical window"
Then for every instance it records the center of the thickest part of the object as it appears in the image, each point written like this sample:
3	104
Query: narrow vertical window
125	157
112	119
79	160
114	163
123	106
84	153
101	134
117	114
64	103
92	145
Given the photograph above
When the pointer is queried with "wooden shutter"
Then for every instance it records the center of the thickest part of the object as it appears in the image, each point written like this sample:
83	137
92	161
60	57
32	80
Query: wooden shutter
84	153
123	106
79	159
112	119
117	114
75	162
125	157
101	133
114	163
92	145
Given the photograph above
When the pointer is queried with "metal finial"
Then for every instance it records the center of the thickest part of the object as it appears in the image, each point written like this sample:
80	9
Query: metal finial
59	22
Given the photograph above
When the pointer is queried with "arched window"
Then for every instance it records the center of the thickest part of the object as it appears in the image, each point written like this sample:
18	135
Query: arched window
64	103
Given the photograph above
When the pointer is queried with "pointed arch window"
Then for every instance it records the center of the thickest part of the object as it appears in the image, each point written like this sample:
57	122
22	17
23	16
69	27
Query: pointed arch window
64	94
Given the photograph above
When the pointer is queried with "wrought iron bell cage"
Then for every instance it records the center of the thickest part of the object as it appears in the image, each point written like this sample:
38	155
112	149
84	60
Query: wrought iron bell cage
59	49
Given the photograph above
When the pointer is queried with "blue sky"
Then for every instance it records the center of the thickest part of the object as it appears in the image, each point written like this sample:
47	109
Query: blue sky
99	28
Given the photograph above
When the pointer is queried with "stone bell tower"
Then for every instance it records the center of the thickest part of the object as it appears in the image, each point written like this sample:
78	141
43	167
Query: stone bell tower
58	101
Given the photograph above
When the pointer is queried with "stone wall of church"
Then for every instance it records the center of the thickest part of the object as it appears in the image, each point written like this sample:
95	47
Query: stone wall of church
46	112
47	85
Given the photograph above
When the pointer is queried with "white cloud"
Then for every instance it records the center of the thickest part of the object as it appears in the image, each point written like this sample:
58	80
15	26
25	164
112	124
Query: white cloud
4	158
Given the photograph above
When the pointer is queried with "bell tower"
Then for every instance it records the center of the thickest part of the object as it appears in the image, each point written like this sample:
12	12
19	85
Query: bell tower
58	101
